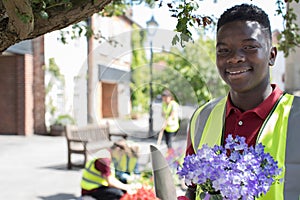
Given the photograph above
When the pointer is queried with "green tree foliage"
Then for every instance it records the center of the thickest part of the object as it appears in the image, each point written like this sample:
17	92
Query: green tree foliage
187	18
191	72
138	85
27	19
115	8
289	38
56	79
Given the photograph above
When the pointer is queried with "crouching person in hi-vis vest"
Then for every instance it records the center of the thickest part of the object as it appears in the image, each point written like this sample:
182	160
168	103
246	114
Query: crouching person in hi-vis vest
253	108
99	181
125	158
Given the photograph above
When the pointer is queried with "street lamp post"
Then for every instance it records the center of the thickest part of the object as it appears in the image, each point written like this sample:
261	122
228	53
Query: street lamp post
151	30
151	92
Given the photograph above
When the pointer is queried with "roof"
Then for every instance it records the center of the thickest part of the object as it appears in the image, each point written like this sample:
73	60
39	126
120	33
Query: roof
23	47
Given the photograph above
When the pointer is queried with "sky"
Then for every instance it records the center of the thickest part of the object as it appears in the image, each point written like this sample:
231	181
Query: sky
141	13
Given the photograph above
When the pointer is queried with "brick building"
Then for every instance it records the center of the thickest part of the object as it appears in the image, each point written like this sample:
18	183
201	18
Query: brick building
22	80
22	90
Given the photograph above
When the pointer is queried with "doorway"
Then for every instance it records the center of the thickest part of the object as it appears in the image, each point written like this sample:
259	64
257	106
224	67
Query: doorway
110	100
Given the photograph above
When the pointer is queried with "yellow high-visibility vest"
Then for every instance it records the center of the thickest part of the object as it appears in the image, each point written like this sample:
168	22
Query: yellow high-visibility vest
173	123
280	133
91	177
125	163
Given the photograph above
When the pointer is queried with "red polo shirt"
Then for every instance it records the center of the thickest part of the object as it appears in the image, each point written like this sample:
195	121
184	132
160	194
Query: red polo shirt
247	123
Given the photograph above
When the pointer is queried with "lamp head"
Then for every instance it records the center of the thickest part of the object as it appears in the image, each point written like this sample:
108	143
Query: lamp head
151	26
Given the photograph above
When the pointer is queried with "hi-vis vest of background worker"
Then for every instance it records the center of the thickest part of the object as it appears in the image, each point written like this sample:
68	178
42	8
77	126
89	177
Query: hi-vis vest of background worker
280	134
125	163
125	156
91	177
172	123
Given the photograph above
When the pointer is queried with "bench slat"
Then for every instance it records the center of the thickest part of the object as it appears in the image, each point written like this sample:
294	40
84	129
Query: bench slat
88	139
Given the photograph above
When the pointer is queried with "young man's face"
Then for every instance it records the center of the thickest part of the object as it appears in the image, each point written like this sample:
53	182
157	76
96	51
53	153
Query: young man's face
243	55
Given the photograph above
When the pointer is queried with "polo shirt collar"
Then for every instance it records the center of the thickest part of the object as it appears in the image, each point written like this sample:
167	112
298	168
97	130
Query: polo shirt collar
263	109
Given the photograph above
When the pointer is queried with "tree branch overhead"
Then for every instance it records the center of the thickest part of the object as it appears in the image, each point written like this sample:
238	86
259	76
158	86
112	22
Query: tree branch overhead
20	20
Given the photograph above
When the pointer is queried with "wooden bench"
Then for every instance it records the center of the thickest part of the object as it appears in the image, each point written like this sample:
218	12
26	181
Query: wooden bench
87	140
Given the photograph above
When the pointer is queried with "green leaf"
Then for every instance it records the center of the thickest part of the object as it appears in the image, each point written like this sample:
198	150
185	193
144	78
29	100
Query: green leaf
175	40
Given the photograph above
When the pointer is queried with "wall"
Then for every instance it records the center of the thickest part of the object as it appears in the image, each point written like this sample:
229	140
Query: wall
8	93
16	102
292	75
72	59
39	86
116	55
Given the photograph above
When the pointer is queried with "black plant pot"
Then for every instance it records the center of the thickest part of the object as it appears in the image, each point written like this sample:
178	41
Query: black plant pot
57	130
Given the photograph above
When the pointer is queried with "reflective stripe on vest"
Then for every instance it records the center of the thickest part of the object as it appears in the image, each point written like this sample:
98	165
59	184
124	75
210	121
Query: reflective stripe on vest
292	158
120	161
91	177
125	163
207	126
173	124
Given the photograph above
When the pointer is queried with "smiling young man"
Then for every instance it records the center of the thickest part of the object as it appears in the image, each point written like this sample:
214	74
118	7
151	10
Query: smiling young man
254	108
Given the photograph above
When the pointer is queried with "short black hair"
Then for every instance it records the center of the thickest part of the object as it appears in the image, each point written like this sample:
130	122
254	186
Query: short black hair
245	12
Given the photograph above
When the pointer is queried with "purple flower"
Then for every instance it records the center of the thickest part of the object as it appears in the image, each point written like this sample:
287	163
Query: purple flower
236	171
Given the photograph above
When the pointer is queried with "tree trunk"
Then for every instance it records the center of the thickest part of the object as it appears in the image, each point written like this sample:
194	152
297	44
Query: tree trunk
14	28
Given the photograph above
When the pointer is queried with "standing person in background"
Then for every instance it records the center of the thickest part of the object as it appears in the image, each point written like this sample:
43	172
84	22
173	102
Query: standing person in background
254	108
99	181
170	112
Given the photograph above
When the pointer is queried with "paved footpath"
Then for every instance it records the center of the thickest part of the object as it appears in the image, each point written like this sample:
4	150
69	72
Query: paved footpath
34	167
